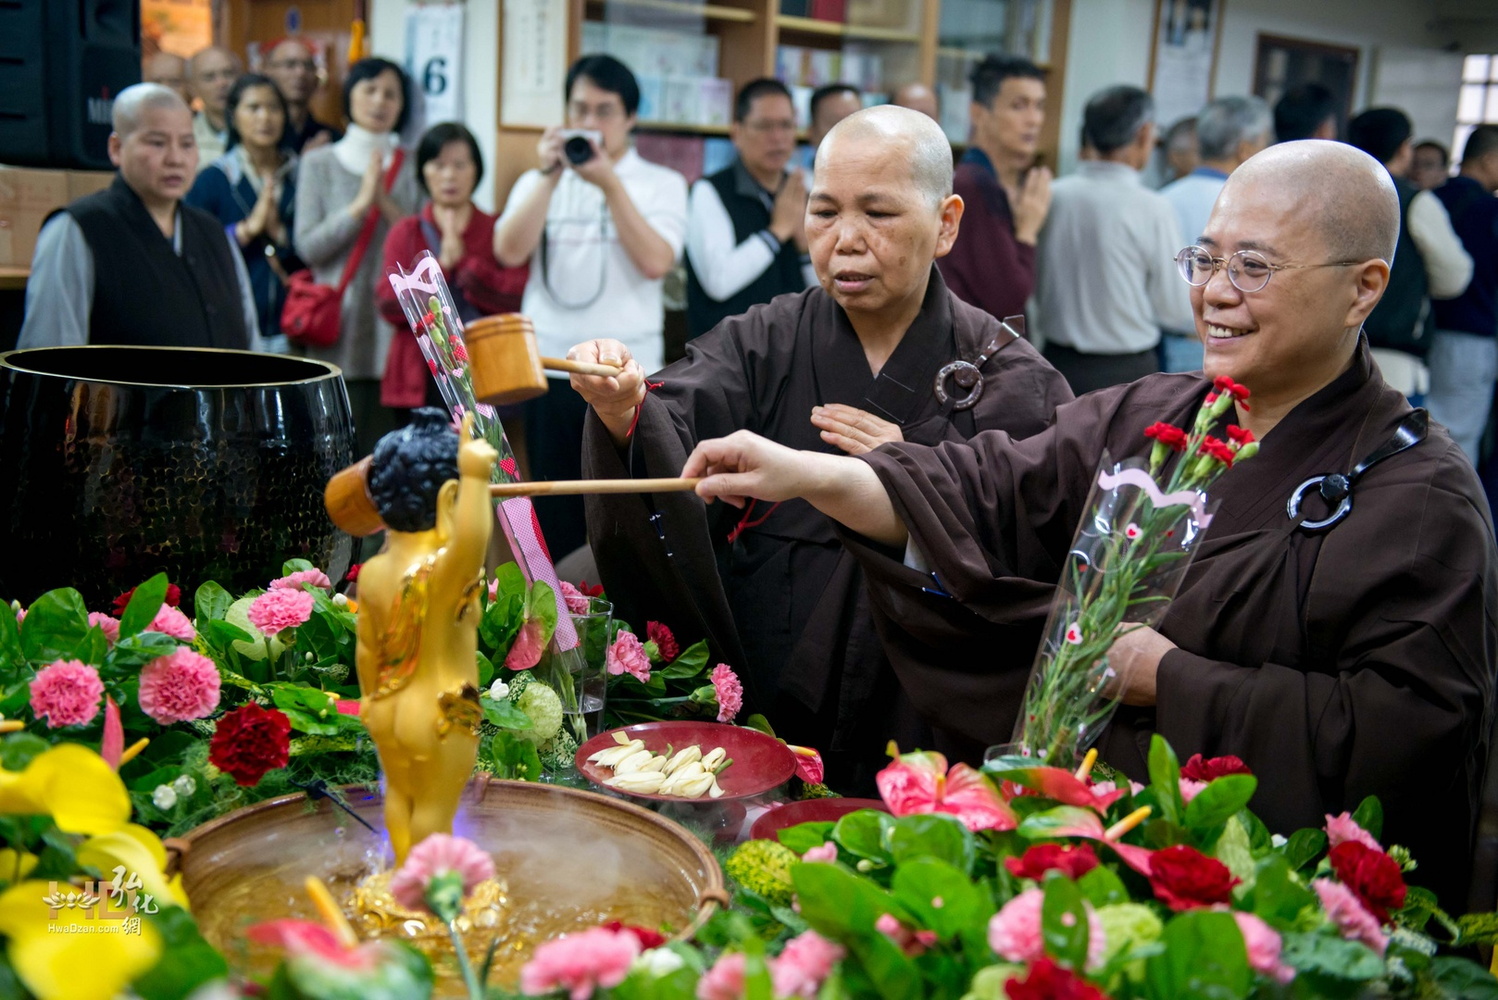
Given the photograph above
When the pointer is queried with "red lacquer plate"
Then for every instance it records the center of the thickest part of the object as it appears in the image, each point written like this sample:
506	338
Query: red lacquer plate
760	762
808	811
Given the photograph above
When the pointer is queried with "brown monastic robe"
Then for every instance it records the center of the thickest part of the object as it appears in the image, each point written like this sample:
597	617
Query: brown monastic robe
1352	662
780	599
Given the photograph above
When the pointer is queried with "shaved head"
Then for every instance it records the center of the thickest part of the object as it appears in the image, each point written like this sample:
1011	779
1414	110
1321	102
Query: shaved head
132	104
1347	196
909	137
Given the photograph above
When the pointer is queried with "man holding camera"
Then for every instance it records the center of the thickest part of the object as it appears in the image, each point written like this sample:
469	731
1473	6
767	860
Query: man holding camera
746	237
600	228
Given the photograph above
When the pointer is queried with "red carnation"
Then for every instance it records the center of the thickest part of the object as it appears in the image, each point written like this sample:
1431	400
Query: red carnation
589	589
353	573
1239	435
1199	768
250	741
1373	876
1184	878
173	597
664	641
1167	434
429	320
1049	981
1224	383
1217	449
459	351
1073	862
648	938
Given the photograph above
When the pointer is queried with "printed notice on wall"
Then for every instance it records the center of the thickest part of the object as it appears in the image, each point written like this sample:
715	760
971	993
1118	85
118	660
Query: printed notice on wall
534	62
434	60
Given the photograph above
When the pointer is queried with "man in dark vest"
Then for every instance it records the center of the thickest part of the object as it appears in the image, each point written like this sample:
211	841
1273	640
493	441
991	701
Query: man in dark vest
746	240
131	264
1429	262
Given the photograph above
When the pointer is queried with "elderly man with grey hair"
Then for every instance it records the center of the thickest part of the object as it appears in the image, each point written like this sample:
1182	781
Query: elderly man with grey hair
132	264
1229	130
1105	281
863	358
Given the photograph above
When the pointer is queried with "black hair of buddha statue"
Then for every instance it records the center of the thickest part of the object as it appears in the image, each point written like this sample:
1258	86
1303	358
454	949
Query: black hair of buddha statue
409	467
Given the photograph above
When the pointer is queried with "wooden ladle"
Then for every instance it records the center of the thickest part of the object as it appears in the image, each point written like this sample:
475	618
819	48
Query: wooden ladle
352	508
507	366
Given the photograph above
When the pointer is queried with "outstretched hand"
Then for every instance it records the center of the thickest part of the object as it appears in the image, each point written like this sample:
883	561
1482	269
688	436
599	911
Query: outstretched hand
745	466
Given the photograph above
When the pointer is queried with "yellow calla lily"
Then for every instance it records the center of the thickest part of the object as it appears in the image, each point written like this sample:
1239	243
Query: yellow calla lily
72	957
73	785
14	865
141	853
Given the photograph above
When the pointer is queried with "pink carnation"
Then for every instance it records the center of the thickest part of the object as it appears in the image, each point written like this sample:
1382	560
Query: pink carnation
1343	828
180	686
108	625
725	980
174	623
799	969
580	963
1191	789
822	852
1352	918
280	609
437	855
294	581
577	601
911	942
1263	945
730	692
1014	932
627	656
67	693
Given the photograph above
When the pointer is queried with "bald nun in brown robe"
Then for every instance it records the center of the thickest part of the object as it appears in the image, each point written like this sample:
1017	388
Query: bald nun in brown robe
841	367
1356	659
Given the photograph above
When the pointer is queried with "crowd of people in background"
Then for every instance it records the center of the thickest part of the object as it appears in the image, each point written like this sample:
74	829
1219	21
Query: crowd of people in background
586	241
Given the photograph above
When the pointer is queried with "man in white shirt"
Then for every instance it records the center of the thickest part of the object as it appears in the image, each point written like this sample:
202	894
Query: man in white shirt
746	233
1228	131
600	228
1106	279
1429	260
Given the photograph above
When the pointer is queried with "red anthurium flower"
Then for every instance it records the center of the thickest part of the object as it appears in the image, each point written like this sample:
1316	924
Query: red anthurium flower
1373	877
1199	768
1073	862
1062	785
920	783
1167	434
1049	981
1185	879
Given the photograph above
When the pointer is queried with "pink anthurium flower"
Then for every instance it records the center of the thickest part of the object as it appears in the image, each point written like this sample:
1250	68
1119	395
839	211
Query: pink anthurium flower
310	939
921	783
1060	784
112	747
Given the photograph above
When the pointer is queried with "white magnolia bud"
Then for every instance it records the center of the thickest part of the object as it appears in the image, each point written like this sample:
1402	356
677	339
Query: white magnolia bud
499	690
185	786
641	782
164	796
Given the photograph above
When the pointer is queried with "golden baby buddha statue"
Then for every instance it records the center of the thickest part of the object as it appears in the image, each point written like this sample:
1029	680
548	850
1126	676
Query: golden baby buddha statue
418	620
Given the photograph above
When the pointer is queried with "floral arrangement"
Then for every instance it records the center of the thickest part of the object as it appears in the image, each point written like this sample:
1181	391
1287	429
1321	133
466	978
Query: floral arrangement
1129	555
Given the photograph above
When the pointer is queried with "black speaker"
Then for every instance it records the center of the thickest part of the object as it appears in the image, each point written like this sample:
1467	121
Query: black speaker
61	64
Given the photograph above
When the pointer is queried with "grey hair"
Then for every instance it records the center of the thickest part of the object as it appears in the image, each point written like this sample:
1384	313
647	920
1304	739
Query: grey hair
1227	121
927	149
131	104
1113	117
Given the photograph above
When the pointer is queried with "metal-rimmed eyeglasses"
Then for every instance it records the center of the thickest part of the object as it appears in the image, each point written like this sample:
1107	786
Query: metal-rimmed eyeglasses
1248	270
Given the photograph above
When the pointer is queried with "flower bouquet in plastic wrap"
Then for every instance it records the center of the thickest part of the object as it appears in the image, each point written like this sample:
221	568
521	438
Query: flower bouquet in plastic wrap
1141	526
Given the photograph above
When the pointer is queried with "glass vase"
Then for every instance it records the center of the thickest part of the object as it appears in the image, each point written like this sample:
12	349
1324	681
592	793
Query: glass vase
1127	559
579	673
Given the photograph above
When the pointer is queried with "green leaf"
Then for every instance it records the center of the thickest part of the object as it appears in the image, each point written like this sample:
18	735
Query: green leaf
19	749
144	605
838	903
863	833
541	605
222	633
688	663
141	648
1102	886
512	756
1234	850
964	905
804	836
1304	847
1462	978
486	671
1165	777
291	566
505	714
187	960
1477	928
1328	954
56	624
1220	800
1370	816
892	973
310	710
210	603
1277	895
1204	959
1063	922
1060	821
12	659
932	835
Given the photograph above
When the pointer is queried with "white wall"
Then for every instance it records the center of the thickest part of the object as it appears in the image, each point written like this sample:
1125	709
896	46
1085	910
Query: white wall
1110	44
387	37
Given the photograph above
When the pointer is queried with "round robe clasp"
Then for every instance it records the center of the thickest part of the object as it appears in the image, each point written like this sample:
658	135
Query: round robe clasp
1335	489
967	376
